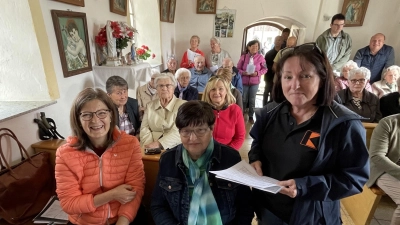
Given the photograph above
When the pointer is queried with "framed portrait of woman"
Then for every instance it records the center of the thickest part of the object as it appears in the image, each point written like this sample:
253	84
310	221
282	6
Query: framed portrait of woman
73	41
206	6
164	10
354	12
119	7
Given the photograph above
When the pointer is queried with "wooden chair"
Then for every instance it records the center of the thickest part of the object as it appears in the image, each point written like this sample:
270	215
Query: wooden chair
200	95
361	207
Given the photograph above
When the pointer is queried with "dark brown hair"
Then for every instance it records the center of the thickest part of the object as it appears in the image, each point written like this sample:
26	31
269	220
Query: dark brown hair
194	113
318	59
83	97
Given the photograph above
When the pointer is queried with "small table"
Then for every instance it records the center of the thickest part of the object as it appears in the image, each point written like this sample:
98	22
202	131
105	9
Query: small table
136	75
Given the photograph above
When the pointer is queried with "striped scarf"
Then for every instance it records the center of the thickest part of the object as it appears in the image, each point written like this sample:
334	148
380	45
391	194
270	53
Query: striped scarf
203	207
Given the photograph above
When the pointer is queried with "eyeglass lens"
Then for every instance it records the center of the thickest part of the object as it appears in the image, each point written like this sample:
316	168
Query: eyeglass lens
101	114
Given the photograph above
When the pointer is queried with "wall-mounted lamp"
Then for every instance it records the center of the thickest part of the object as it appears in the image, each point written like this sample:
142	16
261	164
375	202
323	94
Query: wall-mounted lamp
326	17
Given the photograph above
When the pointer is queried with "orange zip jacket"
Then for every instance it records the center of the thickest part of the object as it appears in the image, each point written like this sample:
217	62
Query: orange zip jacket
80	175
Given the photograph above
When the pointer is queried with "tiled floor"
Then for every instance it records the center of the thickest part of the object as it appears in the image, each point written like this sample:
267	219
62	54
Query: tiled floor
386	206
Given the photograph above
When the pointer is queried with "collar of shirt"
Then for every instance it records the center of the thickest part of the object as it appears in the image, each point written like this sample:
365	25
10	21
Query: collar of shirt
170	105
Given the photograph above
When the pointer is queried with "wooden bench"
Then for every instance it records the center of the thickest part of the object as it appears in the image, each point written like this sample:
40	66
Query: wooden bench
361	207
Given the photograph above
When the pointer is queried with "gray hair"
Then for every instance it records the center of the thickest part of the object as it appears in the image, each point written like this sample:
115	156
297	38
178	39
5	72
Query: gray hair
170	59
350	63
115	81
395	69
216	40
155	73
181	71
364	71
163	76
199	56
195	36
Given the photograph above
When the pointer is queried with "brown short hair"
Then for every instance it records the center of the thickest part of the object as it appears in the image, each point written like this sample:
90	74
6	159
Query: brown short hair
194	113
83	97
318	59
115	81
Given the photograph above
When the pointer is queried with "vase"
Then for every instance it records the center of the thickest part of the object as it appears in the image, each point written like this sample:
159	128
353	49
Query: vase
138	60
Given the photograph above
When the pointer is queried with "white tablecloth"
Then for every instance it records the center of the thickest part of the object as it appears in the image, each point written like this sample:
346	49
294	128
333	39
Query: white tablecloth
136	75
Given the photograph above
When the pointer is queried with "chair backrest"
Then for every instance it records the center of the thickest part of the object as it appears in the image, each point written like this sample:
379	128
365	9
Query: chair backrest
369	128
200	95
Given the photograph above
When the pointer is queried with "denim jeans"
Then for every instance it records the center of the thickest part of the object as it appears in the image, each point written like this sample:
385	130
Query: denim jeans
268	218
249	95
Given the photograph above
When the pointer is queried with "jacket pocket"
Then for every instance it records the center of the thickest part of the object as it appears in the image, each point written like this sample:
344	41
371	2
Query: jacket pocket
226	197
172	189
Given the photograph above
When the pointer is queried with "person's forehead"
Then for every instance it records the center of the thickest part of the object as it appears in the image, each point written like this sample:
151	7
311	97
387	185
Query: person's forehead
199	59
377	37
338	22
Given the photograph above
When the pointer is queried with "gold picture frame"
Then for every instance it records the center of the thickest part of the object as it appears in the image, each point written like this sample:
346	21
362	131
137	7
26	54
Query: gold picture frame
164	10
206	6
119	7
354	12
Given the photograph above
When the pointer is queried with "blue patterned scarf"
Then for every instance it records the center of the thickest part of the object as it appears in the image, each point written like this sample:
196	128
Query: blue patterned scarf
181	90
203	207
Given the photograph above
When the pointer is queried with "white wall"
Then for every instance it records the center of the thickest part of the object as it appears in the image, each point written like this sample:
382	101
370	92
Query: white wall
97	13
22	75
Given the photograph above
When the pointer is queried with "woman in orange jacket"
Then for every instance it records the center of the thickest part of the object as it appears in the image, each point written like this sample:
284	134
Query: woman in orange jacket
99	171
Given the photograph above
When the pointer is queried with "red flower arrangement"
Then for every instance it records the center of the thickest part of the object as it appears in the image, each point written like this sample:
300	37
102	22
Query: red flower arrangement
121	31
144	52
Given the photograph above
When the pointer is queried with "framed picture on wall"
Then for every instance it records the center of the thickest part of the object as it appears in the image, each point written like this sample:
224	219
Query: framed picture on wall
73	41
73	2
164	10
119	7
206	6
171	13
354	12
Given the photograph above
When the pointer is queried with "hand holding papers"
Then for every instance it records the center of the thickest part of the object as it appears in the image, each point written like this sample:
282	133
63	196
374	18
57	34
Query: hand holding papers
243	173
191	54
52	213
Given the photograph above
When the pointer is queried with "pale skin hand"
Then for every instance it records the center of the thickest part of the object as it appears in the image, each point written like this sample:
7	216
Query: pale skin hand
288	188
124	193
155	144
122	220
257	166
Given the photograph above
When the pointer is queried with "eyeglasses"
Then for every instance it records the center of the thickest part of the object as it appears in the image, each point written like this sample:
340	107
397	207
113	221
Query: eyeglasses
307	47
339	25
168	86
199	132
101	114
359	81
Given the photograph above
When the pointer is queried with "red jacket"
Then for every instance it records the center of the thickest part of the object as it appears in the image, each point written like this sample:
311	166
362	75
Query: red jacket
229	126
80	175
185	61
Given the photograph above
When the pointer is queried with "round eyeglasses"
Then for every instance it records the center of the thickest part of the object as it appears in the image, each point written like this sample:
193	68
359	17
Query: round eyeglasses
101	114
199	132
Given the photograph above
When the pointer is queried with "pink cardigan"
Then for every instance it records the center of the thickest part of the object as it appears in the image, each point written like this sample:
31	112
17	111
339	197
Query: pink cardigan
80	175
229	126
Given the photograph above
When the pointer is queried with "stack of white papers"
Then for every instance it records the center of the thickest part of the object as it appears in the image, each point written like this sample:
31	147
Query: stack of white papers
191	54
244	173
52	213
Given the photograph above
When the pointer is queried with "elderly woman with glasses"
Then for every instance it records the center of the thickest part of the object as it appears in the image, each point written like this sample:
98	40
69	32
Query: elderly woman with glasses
128	109
388	83
295	141
359	100
147	92
185	191
183	90
99	171
229	126
226	74
342	82
252	66
158	128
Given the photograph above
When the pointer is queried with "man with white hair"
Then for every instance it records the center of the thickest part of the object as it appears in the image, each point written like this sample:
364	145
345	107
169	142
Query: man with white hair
390	103
183	90
200	73
376	57
171	65
216	56
236	76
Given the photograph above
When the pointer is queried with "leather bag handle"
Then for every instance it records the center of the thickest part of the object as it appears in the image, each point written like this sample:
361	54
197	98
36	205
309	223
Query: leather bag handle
15	137
21	147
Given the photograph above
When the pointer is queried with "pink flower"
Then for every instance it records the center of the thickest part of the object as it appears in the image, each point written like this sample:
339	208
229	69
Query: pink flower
153	56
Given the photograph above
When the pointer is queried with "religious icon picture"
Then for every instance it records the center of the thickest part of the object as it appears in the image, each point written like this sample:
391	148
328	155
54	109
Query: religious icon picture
354	12
72	39
206	6
164	10
119	7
